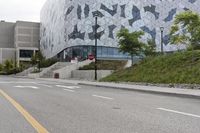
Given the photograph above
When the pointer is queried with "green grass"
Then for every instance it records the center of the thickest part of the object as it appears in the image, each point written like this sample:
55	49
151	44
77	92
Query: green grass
171	68
105	65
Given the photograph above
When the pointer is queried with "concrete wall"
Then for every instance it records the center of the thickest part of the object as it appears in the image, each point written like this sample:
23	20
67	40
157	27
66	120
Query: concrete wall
65	72
7	35
17	36
27	34
7	54
90	75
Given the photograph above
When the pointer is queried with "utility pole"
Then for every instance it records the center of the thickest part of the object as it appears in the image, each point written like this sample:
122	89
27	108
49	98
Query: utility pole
39	55
162	30
96	15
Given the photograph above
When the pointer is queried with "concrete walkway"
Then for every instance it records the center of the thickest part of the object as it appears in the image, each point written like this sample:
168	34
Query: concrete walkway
140	88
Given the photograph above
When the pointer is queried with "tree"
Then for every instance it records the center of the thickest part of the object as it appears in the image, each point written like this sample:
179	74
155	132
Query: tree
130	43
34	60
8	66
40	56
150	48
1	67
186	29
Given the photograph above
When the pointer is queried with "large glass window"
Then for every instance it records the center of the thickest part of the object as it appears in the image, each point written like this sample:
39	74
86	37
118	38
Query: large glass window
99	52
104	51
110	52
26	53
82	52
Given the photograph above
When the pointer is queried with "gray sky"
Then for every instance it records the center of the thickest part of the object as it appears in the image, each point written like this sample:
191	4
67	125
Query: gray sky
26	10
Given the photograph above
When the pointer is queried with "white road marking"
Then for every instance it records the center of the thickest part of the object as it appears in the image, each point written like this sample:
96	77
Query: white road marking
108	98
33	87
68	87
178	112
13	82
69	90
43	85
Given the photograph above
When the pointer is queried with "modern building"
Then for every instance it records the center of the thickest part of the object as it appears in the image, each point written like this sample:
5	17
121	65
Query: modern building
67	26
18	41
7	49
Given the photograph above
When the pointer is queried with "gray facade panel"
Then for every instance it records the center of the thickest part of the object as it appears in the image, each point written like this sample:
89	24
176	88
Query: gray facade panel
27	34
7	54
24	31
6	35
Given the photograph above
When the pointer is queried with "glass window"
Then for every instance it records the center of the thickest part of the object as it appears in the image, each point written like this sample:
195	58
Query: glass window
26	53
104	51
111	52
99	51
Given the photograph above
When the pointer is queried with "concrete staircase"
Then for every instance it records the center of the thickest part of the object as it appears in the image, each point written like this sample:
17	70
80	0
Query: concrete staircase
49	73
63	69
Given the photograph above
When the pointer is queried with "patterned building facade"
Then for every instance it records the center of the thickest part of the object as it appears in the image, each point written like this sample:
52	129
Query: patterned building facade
67	26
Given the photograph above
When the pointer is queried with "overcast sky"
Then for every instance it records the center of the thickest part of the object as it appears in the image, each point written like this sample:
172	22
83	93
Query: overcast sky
26	10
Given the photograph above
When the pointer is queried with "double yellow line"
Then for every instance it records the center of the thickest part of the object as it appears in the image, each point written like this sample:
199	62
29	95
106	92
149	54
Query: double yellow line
35	124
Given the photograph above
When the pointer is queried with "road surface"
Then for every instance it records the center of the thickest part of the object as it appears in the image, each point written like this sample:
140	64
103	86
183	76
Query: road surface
36	106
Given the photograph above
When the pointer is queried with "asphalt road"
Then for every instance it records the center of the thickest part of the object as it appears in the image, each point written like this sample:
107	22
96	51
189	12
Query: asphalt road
31	106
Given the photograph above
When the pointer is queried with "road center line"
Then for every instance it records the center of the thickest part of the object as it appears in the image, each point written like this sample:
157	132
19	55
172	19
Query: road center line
35	124
178	112
108	98
14	82
69	90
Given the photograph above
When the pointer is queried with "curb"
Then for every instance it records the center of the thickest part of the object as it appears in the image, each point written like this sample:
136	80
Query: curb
145	91
177	94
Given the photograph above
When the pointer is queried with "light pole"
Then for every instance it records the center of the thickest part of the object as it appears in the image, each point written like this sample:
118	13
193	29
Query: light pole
39	55
161	30
15	61
96	17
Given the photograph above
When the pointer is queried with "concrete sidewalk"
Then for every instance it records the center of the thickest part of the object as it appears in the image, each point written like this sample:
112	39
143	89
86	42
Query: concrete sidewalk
139	88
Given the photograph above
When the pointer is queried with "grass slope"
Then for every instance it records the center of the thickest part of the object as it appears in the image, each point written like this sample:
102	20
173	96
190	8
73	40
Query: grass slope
106	65
172	68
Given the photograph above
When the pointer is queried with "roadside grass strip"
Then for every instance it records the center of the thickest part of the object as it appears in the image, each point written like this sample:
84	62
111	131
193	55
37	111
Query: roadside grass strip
35	124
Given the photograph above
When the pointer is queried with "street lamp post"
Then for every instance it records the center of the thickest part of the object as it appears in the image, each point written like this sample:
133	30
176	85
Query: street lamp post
96	17
39	55
15	61
162	30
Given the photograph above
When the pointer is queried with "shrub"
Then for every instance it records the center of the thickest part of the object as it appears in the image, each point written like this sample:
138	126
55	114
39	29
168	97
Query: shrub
8	66
1	67
47	62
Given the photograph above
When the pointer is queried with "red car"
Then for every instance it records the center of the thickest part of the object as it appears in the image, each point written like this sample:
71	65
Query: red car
90	56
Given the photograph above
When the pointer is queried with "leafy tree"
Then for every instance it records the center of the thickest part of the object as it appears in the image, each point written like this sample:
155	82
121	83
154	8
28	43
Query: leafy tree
130	42
8	66
34	60
186	29
1	67
150	48
40	56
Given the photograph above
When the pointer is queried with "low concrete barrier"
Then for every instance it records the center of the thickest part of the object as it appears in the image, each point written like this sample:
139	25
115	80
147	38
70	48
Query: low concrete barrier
89	74
34	75
66	72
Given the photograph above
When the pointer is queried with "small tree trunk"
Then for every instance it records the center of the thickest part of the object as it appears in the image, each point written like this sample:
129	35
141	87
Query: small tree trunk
131	60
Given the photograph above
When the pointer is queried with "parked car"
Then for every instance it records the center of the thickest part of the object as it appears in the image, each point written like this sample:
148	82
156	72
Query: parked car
90	56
